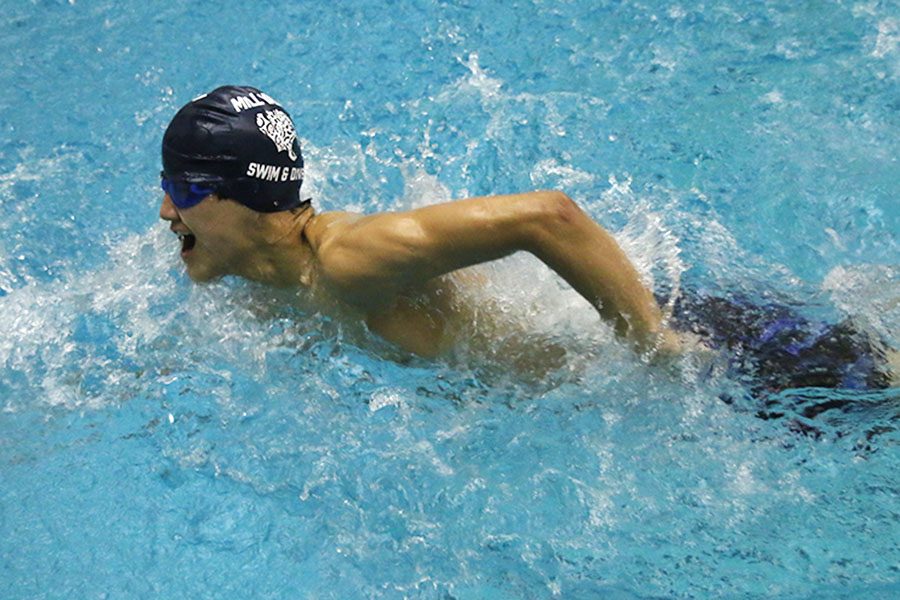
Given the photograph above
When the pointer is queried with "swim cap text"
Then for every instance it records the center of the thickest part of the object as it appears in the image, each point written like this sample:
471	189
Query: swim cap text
251	100
274	172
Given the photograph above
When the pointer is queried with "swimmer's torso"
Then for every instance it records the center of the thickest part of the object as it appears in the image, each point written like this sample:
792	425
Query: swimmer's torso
422	319
423	322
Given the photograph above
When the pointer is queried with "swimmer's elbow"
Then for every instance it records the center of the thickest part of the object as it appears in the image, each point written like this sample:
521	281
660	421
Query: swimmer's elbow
559	208
555	214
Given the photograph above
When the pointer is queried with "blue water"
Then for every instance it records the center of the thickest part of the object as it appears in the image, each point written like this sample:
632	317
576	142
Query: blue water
161	439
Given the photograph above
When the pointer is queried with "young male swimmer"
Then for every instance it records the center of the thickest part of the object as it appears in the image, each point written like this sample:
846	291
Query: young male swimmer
232	171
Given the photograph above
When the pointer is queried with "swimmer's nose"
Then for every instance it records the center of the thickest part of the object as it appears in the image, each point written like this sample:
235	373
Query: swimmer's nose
167	211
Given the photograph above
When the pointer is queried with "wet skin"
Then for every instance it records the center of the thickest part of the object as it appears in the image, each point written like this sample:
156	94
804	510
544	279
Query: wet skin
392	267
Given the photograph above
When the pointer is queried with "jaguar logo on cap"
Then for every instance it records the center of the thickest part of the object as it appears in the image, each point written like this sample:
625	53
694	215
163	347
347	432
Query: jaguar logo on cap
278	127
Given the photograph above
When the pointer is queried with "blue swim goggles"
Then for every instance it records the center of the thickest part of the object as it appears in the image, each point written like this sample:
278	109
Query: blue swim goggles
183	193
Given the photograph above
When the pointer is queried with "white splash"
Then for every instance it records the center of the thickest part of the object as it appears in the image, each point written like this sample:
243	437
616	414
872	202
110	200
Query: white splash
773	97
888	37
38	169
870	294
40	318
383	398
487	86
550	170
421	188
676	12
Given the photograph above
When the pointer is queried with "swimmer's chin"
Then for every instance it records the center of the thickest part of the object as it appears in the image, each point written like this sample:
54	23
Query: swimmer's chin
202	276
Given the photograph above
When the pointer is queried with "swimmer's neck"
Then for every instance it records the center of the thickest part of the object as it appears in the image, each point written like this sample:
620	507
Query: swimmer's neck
280	254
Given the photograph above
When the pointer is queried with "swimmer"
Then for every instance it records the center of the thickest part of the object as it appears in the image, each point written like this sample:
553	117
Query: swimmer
232	172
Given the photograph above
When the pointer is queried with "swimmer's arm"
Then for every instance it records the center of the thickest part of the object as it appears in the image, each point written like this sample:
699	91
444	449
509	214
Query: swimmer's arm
385	253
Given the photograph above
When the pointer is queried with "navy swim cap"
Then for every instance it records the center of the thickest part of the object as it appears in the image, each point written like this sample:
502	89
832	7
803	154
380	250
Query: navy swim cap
239	142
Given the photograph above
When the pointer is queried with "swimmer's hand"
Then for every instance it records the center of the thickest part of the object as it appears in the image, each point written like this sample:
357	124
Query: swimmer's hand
672	345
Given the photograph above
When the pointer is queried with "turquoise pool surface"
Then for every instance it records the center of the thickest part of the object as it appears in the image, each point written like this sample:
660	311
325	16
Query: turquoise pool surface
160	439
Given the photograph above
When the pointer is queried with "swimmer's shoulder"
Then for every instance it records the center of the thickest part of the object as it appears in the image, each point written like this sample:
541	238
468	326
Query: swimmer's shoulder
327	227
340	258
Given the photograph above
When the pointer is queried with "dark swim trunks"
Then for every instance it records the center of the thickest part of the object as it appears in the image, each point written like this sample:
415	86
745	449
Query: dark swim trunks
780	348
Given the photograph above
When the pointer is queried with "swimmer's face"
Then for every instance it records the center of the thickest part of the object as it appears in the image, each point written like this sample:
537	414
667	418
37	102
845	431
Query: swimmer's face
213	236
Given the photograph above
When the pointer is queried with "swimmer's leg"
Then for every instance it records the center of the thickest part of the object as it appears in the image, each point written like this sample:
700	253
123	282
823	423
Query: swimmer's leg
782	349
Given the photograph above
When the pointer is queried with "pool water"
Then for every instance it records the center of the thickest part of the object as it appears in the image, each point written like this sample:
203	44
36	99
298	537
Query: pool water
163	439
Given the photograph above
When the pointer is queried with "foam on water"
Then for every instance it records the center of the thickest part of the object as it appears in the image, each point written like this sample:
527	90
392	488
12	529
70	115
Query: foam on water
871	293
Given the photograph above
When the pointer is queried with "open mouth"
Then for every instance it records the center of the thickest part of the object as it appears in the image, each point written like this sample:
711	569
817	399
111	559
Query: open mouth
187	242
